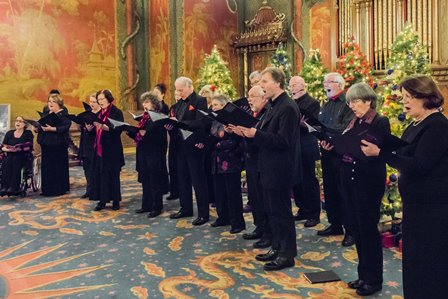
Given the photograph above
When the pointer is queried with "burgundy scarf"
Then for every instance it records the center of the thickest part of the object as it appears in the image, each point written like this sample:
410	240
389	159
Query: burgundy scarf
104	116
367	118
141	124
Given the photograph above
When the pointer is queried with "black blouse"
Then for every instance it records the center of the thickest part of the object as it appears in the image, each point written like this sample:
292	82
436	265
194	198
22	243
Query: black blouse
423	164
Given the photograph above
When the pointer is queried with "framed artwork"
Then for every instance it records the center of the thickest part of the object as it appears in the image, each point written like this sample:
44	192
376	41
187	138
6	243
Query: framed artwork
5	119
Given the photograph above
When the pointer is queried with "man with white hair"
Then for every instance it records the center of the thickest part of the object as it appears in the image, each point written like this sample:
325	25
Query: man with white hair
335	114
307	192
258	104
190	157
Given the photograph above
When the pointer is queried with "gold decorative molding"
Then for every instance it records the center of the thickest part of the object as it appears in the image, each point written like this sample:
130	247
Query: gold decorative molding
263	33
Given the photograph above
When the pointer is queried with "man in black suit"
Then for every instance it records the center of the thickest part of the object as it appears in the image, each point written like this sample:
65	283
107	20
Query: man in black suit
278	161
258	104
307	193
190	157
335	114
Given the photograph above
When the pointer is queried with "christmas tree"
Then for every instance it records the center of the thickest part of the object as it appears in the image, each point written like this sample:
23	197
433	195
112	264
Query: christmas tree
281	60
313	72
215	72
408	57
353	65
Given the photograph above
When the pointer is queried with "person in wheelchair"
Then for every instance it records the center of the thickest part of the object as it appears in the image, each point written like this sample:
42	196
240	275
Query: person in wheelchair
17	149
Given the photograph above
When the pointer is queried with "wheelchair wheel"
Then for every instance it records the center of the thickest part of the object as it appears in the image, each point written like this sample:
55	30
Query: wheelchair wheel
36	178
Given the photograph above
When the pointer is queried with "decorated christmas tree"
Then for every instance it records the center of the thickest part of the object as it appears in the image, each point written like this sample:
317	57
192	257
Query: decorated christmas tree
313	72
353	65
408	57
281	60
215	72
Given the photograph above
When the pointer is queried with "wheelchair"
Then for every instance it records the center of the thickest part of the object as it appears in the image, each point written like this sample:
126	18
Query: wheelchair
30	175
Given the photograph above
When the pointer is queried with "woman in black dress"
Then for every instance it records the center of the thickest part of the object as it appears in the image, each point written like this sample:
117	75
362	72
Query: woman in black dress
86	142
423	185
54	142
362	187
108	158
151	146
17	146
227	157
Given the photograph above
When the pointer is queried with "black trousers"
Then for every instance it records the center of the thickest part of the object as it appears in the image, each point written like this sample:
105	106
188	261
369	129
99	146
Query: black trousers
307	193
278	208
87	167
363	214
210	180
191	172
152	197
172	170
229	202
333	199
255	195
105	181
164	174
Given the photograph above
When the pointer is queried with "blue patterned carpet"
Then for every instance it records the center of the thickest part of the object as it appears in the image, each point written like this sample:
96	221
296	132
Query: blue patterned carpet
59	248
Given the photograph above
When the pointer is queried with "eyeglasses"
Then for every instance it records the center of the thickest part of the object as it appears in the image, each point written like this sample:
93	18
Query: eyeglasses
354	101
331	81
19	121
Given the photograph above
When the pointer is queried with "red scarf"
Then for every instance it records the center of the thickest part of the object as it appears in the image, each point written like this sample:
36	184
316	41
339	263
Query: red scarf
141	124
367	118
103	116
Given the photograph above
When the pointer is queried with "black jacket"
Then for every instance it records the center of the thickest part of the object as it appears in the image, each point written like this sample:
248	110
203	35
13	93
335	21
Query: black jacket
111	142
279	145
308	142
61	136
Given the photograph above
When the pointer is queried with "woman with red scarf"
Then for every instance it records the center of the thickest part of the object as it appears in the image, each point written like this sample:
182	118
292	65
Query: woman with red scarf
362	188
151	147
108	159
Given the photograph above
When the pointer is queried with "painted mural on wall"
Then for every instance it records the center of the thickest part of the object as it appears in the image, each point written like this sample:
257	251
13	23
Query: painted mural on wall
67	45
320	34
207	23
159	44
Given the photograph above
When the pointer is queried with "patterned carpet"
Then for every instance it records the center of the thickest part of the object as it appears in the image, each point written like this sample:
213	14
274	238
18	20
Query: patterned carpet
59	248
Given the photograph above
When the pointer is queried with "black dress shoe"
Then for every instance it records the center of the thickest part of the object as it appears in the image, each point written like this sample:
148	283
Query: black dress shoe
172	197
300	216
100	206
219	223
262	244
331	231
268	256
279	263
153	214
311	222
237	230
115	206
85	195
252	236
367	289
355	284
139	211
348	241
199	221
180	214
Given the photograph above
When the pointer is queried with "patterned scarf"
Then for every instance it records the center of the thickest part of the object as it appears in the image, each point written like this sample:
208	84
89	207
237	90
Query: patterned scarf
103	116
141	124
367	118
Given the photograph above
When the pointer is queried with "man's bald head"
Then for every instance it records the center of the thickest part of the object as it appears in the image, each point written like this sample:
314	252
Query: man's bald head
297	86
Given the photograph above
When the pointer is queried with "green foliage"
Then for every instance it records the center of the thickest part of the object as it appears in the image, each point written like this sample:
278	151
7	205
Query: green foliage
313	72
215	72
408	57
281	60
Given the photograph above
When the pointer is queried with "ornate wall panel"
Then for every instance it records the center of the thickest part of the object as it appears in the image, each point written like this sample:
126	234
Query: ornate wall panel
159	44
206	23
46	45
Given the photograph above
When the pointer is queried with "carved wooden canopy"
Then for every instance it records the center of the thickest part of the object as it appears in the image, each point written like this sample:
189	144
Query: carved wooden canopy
263	32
